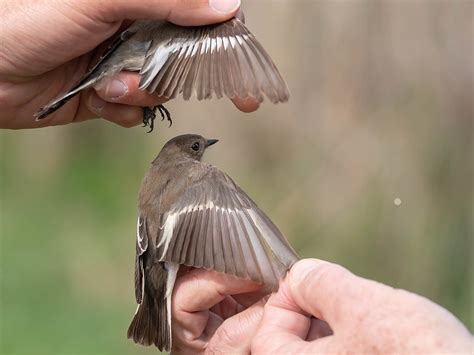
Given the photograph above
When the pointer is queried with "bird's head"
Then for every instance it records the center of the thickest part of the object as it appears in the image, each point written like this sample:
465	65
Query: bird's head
186	146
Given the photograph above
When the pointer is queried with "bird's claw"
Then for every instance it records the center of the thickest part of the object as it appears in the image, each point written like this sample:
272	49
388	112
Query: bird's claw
149	115
164	114
149	118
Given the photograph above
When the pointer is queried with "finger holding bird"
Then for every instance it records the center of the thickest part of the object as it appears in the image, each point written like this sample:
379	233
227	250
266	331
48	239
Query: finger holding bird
123	89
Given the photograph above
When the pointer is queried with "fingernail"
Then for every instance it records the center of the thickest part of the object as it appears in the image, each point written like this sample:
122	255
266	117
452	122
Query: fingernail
116	89
96	103
224	6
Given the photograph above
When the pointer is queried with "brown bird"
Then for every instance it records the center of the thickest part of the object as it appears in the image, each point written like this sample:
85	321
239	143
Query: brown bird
193	214
206	61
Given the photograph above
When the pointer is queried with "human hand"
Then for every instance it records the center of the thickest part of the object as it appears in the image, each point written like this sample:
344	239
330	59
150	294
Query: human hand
323	308
214	313
48	45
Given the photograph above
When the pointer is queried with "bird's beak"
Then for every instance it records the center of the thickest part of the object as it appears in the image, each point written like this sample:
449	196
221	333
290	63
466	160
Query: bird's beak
211	142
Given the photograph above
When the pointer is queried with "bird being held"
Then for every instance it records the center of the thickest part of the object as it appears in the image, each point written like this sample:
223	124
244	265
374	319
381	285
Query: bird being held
193	214
206	61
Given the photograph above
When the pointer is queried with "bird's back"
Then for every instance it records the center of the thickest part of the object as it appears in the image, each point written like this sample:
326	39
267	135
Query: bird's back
162	185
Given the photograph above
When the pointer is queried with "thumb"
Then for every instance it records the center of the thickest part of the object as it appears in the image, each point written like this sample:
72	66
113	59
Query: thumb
330	292
180	12
235	334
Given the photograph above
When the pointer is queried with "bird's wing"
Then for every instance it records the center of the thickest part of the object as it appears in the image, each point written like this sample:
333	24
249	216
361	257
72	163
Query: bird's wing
141	247
215	225
211	61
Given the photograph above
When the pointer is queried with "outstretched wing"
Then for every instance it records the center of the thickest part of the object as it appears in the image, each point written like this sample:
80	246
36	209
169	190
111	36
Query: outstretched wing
215	225
216	60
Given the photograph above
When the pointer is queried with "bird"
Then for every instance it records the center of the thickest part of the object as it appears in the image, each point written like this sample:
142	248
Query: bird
191	213
206	61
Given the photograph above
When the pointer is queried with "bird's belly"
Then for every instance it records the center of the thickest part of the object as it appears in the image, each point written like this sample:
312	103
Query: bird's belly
130	55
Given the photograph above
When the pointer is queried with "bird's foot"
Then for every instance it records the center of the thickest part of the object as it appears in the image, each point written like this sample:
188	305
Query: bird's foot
149	115
164	114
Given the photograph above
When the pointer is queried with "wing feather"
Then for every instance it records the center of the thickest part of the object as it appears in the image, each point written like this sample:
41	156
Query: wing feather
208	261
141	247
215	225
212	61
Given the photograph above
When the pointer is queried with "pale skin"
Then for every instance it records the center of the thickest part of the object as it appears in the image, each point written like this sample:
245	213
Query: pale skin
48	45
320	308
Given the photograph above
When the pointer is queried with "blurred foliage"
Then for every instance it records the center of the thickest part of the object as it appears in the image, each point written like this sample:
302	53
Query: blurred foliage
381	109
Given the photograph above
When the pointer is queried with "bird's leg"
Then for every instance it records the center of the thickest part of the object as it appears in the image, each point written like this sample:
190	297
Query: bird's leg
148	117
164	114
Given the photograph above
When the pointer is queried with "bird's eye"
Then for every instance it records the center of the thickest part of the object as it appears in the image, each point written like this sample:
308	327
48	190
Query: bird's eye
195	146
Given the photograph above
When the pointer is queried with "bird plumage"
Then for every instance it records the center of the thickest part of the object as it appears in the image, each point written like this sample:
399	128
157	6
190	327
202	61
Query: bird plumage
206	61
193	214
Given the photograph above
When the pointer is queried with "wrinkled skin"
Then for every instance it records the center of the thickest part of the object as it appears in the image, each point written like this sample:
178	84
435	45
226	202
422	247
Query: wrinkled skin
319	308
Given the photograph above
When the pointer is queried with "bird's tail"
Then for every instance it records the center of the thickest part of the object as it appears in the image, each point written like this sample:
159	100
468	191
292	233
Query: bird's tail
89	79
150	324
61	100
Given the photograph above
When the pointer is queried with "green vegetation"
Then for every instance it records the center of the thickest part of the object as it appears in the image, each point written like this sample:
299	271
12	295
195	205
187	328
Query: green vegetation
379	110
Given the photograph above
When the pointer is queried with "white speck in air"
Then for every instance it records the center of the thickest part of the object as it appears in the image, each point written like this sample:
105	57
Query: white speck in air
397	202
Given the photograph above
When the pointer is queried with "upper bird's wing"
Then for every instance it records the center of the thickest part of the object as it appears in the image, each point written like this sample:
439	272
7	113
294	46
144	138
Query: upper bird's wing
215	225
215	60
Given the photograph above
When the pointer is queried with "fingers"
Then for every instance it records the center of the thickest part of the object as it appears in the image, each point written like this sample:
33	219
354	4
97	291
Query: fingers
117	99
235	334
181	12
287	326
93	106
283	327
332	293
123	89
194	294
248	104
248	299
201	289
313	288
227	308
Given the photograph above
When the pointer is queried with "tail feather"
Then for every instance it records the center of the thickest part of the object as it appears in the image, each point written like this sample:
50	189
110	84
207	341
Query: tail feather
89	79
150	324
63	99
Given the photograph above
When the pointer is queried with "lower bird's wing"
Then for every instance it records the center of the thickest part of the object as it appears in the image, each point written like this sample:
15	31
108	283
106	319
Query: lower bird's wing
211	61
215	225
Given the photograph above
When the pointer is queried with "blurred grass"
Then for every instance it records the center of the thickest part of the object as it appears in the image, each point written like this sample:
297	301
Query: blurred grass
381	108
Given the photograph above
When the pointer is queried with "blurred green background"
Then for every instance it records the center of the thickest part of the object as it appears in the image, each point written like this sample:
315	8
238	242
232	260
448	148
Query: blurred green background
381	109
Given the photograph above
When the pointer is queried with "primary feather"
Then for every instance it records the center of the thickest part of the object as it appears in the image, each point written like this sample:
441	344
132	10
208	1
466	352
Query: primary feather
205	61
